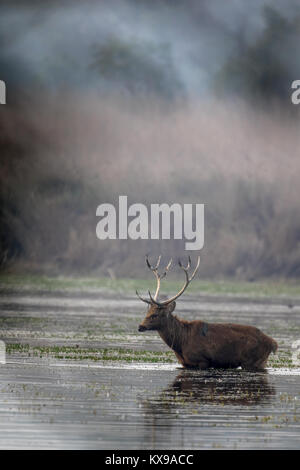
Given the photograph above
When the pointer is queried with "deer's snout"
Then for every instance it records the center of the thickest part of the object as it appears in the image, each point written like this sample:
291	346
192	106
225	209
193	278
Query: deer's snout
142	328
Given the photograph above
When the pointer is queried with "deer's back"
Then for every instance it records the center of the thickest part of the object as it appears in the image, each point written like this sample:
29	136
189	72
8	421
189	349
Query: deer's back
226	344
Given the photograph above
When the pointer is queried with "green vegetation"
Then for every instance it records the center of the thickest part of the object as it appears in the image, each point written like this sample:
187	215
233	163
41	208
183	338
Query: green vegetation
140	67
129	286
260	70
282	360
91	354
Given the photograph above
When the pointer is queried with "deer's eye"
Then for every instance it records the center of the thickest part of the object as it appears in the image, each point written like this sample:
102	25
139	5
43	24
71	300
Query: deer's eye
154	315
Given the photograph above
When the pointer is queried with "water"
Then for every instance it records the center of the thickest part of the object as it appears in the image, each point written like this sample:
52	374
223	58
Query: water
48	403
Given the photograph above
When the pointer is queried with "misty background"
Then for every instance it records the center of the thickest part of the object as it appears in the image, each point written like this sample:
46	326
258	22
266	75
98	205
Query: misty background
163	101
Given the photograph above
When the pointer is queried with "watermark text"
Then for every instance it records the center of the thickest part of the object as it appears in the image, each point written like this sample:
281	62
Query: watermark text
177	221
2	92
295	96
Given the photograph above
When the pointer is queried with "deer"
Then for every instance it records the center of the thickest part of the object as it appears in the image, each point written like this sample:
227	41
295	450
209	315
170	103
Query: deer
197	343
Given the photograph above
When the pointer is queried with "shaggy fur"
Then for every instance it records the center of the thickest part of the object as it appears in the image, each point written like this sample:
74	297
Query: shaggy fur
202	345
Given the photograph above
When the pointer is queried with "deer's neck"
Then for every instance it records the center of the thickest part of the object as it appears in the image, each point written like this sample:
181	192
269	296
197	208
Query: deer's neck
174	333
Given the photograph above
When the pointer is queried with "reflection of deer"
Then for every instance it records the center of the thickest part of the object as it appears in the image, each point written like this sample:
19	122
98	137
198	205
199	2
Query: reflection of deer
186	411
192	387
231	389
199	344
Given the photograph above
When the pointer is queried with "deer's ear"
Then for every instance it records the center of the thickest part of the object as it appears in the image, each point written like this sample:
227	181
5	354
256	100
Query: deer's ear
171	307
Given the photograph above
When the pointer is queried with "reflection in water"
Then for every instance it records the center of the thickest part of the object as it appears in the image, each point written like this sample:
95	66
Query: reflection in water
195	399
234	387
221	387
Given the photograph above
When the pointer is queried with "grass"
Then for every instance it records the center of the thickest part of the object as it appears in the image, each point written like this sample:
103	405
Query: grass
9	322
263	288
92	354
282	360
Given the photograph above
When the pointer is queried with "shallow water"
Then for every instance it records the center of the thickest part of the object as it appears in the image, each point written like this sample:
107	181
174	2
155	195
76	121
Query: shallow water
48	403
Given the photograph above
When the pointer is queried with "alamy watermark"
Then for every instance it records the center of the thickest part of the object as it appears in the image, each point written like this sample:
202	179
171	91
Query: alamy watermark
136	222
2	92
295	96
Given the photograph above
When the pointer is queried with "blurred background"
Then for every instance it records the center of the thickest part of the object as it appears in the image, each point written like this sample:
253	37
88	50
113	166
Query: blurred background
162	101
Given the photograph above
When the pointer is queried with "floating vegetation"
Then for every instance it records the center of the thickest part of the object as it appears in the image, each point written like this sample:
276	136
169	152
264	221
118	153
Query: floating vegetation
282	360
92	354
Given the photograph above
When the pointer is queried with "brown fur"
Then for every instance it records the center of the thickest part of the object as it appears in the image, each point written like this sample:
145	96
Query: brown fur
203	345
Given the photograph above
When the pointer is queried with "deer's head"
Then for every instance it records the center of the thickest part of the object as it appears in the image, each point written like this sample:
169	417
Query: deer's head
158	311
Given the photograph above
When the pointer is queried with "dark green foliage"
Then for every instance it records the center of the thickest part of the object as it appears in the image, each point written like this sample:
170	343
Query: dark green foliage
137	67
262	70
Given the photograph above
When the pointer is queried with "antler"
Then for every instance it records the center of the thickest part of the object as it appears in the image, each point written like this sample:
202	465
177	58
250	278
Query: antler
158	276
187	281
154	269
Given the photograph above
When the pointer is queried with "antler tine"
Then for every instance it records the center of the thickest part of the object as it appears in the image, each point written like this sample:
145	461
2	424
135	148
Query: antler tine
166	269
187	281
141	298
153	268
188	265
158	276
153	300
158	262
196	269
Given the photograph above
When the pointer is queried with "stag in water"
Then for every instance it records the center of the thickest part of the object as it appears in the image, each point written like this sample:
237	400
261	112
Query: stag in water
200	344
